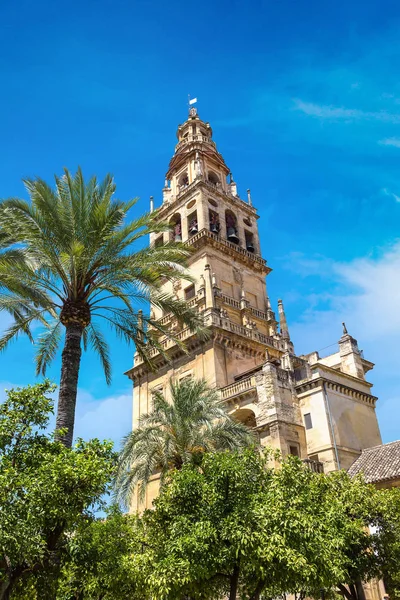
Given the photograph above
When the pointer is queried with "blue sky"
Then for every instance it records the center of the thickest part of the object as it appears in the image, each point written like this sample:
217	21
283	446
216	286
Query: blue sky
304	101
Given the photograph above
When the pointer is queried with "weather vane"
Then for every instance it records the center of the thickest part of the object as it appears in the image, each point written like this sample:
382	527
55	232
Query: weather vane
191	101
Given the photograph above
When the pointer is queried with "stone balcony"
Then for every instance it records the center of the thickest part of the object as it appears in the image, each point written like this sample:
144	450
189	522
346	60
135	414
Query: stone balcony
259	314
213	320
237	252
238	388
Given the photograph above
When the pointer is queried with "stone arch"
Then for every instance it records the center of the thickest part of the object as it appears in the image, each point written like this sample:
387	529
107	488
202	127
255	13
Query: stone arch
213	178
176	228
245	416
232	233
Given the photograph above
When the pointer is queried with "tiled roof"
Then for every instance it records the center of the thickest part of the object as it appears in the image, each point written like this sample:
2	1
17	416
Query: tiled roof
379	463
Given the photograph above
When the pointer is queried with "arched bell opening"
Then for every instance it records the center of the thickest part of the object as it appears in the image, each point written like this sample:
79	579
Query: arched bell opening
176	228
215	225
231	227
245	416
183	181
249	239
193	225
213	178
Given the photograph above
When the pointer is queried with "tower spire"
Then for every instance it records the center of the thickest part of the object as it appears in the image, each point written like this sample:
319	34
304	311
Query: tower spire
282	321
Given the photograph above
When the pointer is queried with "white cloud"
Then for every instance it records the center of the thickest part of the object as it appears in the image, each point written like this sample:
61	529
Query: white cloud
366	295
392	141
106	418
334	113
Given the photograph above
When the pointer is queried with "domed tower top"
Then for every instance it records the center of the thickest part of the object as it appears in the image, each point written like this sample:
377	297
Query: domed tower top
196	155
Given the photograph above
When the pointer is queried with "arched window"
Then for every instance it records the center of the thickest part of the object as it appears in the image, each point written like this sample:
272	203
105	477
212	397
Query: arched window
193	226
249	241
231	227
213	178
176	228
183	181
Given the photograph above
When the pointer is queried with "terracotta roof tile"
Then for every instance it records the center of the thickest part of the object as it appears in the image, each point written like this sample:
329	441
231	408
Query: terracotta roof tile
378	463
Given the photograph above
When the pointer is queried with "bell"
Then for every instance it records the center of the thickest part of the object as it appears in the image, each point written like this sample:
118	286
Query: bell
214	227
232	236
250	247
193	229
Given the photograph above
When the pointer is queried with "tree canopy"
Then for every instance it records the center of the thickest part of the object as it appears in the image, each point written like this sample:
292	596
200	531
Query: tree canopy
238	528
46	490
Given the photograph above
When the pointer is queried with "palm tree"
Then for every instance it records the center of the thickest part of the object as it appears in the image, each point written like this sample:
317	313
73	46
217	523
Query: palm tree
79	269
176	433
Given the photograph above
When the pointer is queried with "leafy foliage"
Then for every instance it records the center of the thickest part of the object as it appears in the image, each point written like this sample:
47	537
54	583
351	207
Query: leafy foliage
46	490
176	432
238	528
98	560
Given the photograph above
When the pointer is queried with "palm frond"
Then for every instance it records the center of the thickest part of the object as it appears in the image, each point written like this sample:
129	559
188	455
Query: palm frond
175	433
47	346
97	341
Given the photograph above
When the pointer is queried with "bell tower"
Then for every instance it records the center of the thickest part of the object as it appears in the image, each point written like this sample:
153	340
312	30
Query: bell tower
249	356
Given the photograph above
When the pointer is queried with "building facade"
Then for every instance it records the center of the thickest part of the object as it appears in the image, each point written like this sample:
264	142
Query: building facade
320	409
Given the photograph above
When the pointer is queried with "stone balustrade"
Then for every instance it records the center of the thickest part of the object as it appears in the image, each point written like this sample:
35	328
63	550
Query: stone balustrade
229	245
314	465
239	387
212	318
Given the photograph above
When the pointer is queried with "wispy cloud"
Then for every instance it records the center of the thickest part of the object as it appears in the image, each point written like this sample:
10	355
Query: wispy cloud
392	195
392	141
330	112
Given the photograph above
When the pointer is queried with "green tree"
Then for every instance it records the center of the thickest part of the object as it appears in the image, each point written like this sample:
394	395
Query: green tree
46	490
98	557
387	525
175	433
237	528
80	268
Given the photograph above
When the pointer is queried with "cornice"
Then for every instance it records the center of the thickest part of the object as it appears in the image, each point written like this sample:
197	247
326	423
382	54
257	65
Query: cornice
309	385
335	372
184	195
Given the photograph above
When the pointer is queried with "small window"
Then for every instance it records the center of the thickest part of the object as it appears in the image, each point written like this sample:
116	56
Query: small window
159	241
294	450
190	292
314	457
308	421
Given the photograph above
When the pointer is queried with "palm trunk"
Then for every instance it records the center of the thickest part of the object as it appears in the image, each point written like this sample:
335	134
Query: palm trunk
70	362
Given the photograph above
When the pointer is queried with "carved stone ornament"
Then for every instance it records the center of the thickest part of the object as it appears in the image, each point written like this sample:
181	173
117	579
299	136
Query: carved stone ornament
237	276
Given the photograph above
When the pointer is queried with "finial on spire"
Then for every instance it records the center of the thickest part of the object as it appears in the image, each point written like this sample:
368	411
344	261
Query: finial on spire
151	204
249	197
282	321
345	332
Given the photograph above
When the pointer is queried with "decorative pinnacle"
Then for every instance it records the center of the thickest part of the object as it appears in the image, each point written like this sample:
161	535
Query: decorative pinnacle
345	332
249	197
282	321
151	203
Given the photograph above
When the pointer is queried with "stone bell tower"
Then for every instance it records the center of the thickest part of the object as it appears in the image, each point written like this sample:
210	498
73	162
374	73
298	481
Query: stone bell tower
248	357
